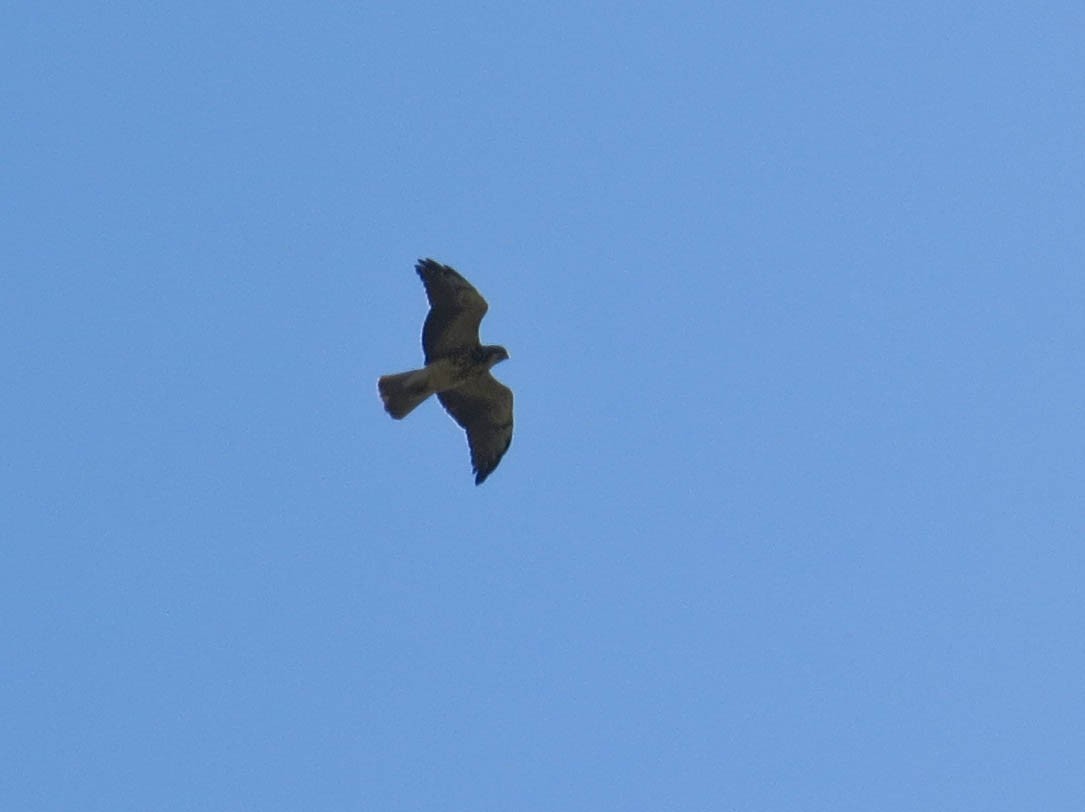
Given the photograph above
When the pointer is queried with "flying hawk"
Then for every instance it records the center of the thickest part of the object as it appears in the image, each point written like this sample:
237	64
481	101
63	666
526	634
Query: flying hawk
457	369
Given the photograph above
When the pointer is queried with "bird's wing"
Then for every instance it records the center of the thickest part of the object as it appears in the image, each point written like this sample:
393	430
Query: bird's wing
456	310
483	407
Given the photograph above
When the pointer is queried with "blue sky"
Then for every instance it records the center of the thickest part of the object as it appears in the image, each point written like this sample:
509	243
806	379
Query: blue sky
793	514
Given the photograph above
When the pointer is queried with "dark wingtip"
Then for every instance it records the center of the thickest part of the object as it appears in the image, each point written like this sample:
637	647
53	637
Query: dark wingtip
427	265
486	470
482	473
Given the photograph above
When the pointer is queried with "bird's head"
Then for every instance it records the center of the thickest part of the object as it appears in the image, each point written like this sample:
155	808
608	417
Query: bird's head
493	354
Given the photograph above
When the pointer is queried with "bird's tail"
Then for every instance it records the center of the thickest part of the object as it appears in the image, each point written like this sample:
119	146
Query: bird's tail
403	391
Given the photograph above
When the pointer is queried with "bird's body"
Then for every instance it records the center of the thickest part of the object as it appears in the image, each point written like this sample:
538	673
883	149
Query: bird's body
457	369
403	391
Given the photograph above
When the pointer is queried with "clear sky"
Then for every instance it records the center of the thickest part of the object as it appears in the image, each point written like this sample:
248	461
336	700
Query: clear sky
793	515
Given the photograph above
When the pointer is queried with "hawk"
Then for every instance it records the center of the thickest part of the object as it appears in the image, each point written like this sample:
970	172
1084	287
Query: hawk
457	369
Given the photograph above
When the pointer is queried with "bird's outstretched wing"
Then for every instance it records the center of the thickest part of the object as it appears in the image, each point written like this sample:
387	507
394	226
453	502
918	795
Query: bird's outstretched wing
456	310
483	407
